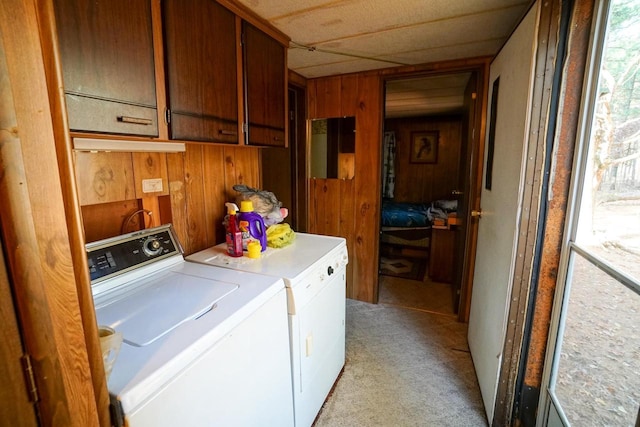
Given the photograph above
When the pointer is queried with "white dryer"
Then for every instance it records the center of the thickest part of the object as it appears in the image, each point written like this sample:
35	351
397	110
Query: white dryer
202	345
314	270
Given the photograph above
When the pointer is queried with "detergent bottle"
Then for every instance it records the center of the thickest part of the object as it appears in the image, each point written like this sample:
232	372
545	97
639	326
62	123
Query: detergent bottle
251	225
233	234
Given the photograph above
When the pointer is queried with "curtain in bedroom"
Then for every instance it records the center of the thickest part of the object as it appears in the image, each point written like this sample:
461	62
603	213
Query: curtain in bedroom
388	166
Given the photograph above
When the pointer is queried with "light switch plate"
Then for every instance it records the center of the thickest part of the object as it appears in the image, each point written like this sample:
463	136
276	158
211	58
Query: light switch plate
152	185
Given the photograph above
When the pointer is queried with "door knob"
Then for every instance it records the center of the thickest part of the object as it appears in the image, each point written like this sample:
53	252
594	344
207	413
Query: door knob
476	214
457	193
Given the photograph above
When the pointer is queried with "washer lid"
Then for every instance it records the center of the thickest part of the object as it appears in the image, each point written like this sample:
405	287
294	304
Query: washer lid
148	312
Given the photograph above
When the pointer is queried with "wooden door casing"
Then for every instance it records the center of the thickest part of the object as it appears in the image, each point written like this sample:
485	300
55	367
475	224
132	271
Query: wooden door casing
472	155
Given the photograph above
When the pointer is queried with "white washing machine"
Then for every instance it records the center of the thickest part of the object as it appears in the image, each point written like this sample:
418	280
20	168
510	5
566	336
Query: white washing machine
314	270
202	345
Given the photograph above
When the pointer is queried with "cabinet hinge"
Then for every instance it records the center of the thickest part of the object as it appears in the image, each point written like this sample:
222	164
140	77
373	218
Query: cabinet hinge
167	116
32	388
245	127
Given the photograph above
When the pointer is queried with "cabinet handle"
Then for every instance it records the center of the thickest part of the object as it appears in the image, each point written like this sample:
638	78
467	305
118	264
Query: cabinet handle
227	132
277	138
135	120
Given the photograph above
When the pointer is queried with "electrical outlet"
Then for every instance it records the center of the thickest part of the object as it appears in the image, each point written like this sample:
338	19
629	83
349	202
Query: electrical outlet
152	185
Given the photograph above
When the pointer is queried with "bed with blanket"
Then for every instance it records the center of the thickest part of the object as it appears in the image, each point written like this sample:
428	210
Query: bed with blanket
409	224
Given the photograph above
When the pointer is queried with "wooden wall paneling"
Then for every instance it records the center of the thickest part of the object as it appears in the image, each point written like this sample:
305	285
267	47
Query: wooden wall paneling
312	220
16	407
316	205
347	225
200	182
214	192
320	196
328	97
106	220
312	96
277	174
367	188
178	198
104	177
242	166
450	148
349	95
325	207
329	198
427	182
153	217
195	196
164	208
40	249
150	166
360	95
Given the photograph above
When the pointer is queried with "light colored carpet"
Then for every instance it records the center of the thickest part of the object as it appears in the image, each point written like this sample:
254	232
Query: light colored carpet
403	367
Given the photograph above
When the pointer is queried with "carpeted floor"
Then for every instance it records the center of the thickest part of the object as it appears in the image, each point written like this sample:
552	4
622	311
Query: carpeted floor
404	367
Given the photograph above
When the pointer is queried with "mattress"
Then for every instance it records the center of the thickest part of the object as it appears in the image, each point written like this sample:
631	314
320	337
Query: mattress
416	237
407	214
403	214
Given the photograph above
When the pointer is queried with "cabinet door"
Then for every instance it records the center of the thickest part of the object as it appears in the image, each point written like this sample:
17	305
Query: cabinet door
264	83
201	63
106	48
441	257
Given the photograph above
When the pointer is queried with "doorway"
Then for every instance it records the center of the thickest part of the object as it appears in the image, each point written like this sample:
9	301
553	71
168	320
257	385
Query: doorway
429	137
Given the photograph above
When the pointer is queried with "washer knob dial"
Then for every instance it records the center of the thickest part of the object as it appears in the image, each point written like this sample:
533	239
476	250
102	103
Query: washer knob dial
152	246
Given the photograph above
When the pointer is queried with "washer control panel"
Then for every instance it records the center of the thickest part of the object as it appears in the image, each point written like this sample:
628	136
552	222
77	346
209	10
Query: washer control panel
122	253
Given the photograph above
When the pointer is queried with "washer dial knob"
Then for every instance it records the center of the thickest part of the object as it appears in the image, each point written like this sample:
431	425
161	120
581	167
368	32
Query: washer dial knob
152	246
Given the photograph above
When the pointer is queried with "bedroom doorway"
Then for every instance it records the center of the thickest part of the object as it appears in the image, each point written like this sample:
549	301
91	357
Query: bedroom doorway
428	147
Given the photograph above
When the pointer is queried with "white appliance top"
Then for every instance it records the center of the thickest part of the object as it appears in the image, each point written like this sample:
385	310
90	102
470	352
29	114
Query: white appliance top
169	311
151	311
291	262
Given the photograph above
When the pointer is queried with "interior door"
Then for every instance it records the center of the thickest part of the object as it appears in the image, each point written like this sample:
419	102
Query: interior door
500	200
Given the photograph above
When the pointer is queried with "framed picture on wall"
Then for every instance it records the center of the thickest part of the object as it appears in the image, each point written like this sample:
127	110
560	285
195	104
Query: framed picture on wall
424	147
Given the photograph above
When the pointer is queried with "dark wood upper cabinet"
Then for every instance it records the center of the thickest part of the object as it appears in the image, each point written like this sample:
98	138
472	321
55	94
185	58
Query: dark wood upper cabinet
201	63
106	49
264	87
